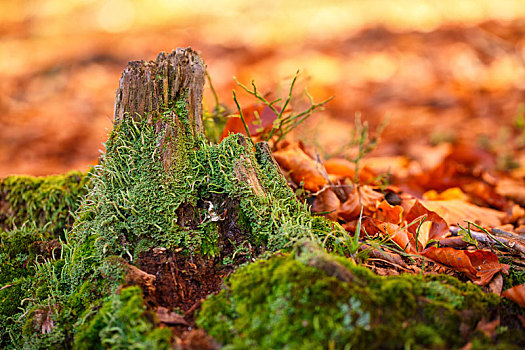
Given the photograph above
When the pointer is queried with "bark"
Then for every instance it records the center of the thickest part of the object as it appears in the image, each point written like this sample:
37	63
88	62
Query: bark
148	87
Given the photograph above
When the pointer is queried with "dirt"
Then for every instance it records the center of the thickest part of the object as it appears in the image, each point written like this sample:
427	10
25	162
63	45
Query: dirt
182	283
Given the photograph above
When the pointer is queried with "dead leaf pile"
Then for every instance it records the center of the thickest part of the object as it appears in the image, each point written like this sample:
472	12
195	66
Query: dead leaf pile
430	214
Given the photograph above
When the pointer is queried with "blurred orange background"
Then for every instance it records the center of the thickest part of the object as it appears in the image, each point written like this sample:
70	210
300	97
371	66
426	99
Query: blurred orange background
447	70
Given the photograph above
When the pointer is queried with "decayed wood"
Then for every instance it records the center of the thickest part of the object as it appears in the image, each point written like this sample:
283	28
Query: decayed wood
148	87
136	277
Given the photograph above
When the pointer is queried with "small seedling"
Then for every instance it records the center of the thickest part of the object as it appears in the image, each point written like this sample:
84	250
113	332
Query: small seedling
286	119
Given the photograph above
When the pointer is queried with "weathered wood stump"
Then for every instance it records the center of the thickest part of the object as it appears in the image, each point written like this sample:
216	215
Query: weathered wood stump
162	184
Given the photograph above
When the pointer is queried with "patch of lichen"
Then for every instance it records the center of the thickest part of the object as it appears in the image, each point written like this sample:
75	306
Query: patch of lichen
45	201
293	301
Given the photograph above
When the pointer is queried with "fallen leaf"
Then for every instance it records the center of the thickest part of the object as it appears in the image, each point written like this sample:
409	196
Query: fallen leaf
458	168
456	211
389	213
513	189
488	327
479	265
484	194
351	208
341	168
169	317
258	118
397	234
451	193
361	196
301	167
433	228
327	202
496	285
516	294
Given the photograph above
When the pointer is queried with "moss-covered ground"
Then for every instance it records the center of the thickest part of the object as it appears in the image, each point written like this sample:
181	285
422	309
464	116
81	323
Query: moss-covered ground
156	194
35	213
308	299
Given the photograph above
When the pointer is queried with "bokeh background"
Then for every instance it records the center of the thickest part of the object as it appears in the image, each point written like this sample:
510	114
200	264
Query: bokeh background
444	70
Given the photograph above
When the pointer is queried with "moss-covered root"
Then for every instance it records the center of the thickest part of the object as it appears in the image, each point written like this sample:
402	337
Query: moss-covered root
45	201
311	300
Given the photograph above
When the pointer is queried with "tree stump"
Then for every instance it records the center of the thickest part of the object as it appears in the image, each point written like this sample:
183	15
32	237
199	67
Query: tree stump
171	203
149	87
227	198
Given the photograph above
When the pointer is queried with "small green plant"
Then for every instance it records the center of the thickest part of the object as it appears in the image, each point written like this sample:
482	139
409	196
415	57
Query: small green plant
519	119
519	124
466	235
418	230
486	232
340	242
364	143
286	119
360	143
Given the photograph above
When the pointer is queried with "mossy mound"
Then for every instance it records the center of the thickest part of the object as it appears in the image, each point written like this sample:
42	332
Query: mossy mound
311	300
44	201
35	213
124	323
220	204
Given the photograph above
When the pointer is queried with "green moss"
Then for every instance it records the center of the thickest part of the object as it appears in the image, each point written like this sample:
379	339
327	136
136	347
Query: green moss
139	201
158	185
516	275
310	300
123	323
19	250
45	201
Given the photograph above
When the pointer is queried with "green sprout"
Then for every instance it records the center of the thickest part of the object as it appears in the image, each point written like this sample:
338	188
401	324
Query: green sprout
286	120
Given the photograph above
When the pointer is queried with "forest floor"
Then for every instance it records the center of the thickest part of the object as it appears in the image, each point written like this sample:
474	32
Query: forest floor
448	166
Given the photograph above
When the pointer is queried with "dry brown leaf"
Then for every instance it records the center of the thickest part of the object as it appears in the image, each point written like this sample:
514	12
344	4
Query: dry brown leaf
361	196
389	213
456	211
169	317
458	168
479	265
516	293
496	285
397	234
369	197
327	202
301	167
484	194
451	193
488	327
258	118
433	228
396	165
340	168
511	188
